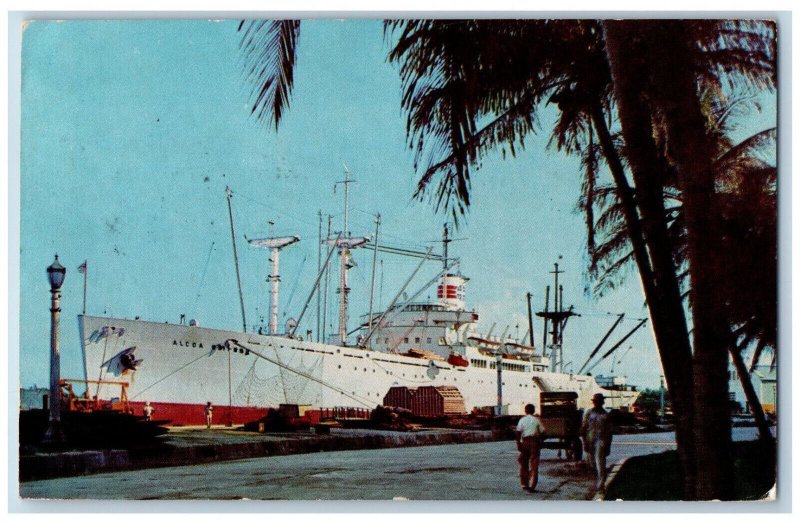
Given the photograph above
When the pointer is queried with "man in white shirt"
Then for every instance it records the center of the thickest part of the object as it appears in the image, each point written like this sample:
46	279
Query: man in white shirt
529	431
148	411
209	411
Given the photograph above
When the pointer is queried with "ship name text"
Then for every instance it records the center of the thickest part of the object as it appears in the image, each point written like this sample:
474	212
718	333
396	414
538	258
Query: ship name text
186	344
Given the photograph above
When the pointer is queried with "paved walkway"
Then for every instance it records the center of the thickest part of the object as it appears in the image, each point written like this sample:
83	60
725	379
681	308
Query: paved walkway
460	472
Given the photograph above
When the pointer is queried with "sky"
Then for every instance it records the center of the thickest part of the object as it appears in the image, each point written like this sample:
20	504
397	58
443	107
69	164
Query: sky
131	131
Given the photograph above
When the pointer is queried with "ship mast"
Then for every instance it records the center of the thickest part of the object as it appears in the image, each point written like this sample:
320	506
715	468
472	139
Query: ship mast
559	318
274	244
229	194
343	252
345	243
445	241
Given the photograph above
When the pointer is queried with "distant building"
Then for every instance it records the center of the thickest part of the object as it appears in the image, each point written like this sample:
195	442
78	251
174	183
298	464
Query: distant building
764	380
32	397
766	385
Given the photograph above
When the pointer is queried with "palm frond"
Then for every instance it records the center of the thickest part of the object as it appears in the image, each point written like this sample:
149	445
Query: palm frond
747	147
471	86
269	48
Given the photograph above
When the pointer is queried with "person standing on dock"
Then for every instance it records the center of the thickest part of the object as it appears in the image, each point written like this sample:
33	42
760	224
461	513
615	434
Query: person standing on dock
209	410
148	411
529	432
597	433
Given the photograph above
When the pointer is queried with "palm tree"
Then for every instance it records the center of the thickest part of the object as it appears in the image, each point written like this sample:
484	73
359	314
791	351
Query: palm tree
738	49
665	91
746	284
565	61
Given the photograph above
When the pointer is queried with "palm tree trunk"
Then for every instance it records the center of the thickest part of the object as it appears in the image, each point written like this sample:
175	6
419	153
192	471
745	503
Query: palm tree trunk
672	88
764	432
665	301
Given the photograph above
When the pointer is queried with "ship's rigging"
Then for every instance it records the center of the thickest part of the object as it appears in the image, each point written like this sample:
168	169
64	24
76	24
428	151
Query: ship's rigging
234	343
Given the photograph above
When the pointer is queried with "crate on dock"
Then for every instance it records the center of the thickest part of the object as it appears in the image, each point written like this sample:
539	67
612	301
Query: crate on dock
437	401
399	397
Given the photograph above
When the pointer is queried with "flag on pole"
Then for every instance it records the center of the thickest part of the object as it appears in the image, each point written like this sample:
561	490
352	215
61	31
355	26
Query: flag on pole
82	267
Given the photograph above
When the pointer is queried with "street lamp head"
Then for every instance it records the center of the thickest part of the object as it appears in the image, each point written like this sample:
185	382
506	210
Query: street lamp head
56	273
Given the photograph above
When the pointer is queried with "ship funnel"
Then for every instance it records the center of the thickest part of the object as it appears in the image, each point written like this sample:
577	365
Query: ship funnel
451	292
275	245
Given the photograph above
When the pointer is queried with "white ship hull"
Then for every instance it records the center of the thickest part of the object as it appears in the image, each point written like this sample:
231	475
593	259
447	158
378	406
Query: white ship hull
190	365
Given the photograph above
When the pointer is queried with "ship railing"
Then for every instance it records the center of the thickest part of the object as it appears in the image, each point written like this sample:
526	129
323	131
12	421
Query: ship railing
74	402
345	413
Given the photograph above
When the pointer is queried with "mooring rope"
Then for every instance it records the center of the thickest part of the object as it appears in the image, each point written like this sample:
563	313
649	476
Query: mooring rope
365	402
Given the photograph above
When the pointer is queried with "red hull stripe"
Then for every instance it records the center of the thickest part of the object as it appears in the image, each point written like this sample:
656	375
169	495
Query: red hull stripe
194	414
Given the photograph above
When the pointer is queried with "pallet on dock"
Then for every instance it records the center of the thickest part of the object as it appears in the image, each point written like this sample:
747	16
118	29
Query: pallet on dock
399	397
437	401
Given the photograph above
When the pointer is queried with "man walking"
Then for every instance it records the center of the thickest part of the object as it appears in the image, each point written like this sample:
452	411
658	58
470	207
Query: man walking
529	431
597	432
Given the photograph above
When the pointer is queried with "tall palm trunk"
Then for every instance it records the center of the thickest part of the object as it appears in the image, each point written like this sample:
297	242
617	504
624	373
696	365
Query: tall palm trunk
667	64
688	148
665	300
764	433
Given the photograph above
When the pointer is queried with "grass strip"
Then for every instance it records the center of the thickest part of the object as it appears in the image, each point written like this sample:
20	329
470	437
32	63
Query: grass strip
657	477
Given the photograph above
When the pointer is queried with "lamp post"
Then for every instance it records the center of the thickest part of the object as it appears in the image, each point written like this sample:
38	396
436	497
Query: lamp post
499	363
55	274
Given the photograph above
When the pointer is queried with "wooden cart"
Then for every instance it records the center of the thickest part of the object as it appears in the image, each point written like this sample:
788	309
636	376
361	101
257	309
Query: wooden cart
562	422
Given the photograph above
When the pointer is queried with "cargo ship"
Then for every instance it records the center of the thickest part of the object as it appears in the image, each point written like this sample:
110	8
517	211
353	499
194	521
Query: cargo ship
180	368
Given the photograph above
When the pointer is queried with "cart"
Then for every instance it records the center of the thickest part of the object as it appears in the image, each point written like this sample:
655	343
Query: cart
562	422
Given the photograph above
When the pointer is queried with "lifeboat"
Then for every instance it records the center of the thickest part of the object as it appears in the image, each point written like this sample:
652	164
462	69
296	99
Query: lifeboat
457	360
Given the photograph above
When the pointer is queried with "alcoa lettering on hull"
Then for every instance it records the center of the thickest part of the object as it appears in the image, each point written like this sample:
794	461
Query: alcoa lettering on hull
187	343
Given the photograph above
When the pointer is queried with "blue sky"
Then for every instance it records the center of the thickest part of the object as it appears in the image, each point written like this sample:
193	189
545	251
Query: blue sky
131	130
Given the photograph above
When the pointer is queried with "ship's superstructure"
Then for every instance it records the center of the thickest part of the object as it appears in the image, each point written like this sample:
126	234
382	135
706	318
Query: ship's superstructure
414	343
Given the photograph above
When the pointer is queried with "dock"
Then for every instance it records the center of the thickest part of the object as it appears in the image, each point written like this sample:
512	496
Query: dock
183	446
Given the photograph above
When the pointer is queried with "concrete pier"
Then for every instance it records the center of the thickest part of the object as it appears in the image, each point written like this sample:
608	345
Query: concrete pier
464	472
198	445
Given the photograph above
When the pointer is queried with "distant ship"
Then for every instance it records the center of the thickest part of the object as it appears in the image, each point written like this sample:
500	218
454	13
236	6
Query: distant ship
178	368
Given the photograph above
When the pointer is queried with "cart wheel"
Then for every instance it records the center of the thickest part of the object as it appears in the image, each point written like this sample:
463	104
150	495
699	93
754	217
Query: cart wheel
577	449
